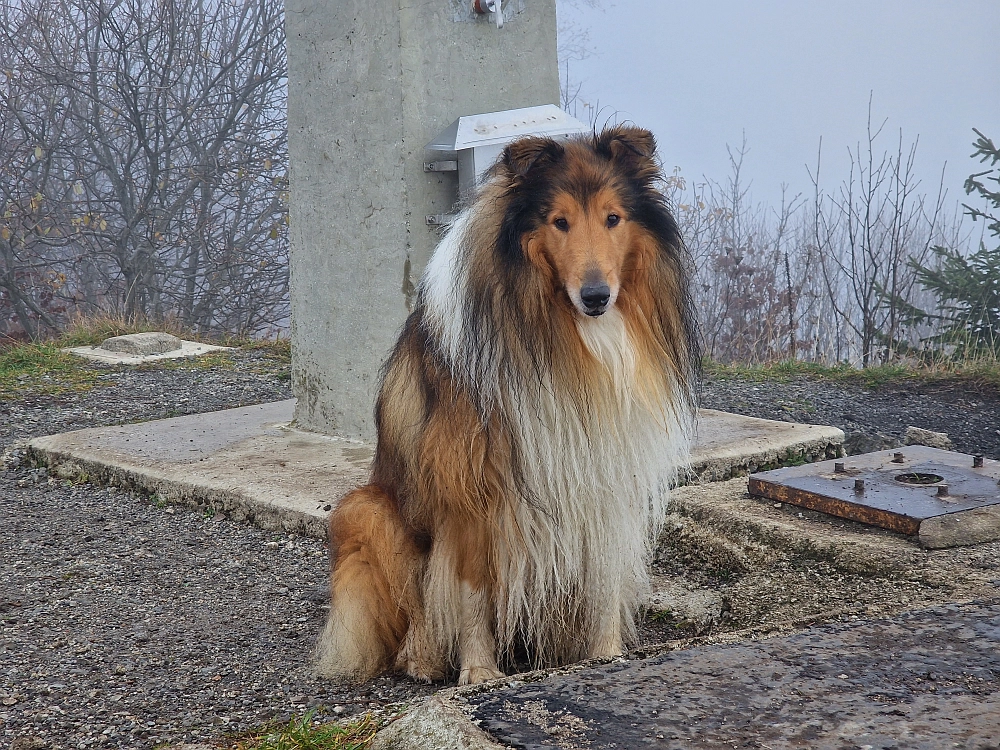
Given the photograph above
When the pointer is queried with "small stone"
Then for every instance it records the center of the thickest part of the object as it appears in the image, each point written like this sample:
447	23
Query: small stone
920	436
857	442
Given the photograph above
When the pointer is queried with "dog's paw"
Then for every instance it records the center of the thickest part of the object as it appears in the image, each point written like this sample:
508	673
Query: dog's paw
607	649
421	673
421	670
475	675
418	659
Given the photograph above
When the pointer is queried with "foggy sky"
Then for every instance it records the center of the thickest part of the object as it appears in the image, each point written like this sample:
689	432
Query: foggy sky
701	74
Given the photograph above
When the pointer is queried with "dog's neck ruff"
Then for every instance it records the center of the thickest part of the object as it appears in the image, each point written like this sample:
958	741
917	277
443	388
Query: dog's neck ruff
444	288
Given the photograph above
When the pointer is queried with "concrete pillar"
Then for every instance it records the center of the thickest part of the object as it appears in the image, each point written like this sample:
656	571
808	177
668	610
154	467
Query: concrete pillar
369	85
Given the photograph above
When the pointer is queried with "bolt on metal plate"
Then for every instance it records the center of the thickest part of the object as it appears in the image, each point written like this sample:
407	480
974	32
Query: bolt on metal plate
945	499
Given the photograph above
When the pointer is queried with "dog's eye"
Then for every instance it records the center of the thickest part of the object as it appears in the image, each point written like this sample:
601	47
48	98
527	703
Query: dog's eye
613	220
561	224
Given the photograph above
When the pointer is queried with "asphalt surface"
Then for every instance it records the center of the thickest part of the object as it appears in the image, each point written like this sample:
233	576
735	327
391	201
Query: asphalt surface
926	679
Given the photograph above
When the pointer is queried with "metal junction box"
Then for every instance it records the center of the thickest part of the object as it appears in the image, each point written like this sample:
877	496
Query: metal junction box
472	143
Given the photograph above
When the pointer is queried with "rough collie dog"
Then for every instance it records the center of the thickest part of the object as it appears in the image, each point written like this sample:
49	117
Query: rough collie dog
531	418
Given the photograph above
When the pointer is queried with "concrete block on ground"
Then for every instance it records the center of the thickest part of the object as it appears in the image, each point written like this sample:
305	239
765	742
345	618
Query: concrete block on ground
729	445
141	344
437	724
954	530
252	464
930	438
124	353
728	510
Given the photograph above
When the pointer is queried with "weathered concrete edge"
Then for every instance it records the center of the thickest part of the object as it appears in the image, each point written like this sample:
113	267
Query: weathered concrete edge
718	465
973	526
201	494
173	484
731	513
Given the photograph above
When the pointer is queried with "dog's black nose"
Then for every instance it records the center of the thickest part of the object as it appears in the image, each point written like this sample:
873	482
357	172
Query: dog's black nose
595	297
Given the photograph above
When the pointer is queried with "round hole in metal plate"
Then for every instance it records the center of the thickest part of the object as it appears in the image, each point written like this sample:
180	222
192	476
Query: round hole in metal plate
918	478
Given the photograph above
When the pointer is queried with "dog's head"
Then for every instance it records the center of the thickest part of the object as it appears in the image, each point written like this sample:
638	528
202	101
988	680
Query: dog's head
578	211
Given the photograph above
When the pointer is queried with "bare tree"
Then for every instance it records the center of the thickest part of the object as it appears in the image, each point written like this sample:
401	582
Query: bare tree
866	233
573	46
166	144
33	188
748	281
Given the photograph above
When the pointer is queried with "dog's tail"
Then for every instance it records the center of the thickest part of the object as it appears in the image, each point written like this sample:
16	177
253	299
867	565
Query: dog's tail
374	564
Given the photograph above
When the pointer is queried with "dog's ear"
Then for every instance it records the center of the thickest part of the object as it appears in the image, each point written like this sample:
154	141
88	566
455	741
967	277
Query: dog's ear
525	154
633	148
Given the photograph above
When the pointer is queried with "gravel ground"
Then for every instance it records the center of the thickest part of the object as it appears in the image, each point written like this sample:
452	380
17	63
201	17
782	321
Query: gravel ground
127	624
872	418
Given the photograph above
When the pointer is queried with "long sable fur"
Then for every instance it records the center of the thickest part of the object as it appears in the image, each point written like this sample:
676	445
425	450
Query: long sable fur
524	453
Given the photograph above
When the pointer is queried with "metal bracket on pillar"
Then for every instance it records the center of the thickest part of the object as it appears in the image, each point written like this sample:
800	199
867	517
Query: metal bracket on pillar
490	6
441	166
439	220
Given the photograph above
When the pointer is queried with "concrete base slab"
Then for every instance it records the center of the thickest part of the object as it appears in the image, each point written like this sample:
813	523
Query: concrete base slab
251	464
726	509
245	463
188	349
729	445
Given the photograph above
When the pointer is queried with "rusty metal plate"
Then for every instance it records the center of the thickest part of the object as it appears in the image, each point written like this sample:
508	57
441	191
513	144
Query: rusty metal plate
901	490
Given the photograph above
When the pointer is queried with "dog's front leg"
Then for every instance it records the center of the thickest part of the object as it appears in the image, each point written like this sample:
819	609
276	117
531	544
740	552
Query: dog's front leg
418	655
477	648
606	641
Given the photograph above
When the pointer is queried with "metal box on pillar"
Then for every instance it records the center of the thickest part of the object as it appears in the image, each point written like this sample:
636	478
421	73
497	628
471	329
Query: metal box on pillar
472	143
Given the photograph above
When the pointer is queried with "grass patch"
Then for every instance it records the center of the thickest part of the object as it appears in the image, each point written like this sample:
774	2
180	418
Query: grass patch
44	369
306	734
984	371
280	348
208	361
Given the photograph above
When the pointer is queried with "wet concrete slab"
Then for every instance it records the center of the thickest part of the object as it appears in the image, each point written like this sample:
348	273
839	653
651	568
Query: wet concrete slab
252	464
925	679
